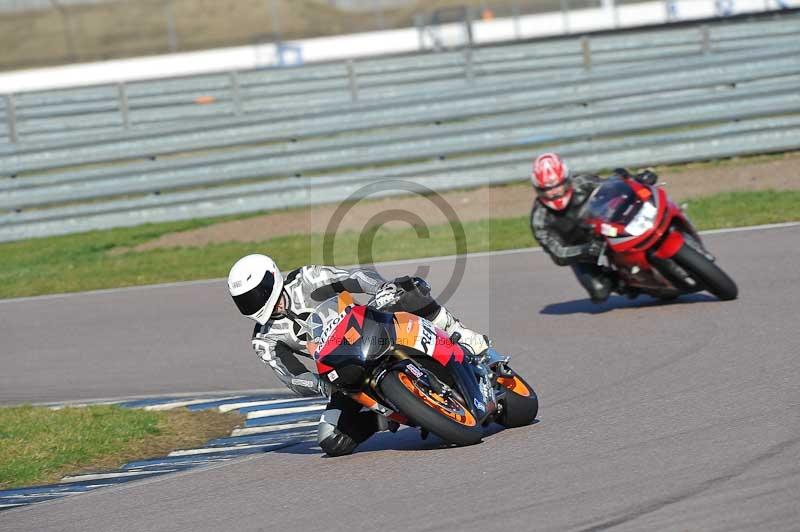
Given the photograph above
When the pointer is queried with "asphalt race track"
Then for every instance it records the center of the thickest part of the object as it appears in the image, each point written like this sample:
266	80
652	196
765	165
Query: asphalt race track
682	416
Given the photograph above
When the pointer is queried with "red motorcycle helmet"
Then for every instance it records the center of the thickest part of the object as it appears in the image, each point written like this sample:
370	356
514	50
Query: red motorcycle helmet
551	180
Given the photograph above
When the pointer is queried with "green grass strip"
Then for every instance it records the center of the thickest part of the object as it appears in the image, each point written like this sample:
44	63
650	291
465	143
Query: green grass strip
35	442
83	262
39	445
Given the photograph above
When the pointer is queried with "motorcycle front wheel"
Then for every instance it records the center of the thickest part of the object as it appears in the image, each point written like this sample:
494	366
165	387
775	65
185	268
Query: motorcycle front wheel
443	416
520	404
706	272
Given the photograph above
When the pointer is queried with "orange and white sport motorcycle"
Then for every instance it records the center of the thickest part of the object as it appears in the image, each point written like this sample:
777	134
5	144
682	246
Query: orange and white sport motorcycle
404	368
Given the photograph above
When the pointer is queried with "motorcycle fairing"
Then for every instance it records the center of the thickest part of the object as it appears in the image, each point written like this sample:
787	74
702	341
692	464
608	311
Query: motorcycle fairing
420	334
361	334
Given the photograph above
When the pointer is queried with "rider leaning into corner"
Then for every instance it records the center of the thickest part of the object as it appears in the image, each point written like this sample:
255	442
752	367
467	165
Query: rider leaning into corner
557	224
281	307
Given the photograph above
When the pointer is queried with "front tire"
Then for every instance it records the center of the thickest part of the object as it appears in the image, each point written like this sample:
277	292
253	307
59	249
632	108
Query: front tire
447	418
520	404
706	273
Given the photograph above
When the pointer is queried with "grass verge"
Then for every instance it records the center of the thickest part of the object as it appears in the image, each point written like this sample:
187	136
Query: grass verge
39	445
85	262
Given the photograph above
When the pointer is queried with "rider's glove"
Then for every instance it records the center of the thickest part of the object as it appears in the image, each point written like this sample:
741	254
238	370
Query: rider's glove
594	249
387	295
647	177
621	172
261	348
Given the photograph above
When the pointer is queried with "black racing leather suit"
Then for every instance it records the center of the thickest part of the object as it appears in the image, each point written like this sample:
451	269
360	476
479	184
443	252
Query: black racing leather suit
563	237
569	243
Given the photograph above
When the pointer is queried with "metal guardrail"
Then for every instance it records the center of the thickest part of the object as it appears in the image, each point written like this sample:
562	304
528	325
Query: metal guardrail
693	73
272	193
153	111
596	110
221	88
400	150
764	32
291	81
739	31
308	192
443	132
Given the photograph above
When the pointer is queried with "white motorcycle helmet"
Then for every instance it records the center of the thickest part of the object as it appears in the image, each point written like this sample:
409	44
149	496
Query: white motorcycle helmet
255	284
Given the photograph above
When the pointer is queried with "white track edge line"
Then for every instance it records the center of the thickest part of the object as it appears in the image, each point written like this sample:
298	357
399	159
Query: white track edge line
211	395
258	414
210	450
250	431
102	476
178	404
227	407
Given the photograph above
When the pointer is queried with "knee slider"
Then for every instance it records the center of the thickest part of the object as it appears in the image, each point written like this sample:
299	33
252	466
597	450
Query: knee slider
338	444
330	439
600	289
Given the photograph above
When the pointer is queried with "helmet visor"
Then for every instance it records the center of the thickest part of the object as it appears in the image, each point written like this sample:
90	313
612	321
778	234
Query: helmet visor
254	300
554	192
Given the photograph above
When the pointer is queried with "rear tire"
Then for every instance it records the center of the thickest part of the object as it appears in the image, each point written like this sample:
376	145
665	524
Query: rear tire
519	409
706	273
427	416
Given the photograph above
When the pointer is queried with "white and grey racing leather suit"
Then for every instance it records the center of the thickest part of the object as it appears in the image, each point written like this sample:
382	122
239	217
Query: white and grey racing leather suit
281	341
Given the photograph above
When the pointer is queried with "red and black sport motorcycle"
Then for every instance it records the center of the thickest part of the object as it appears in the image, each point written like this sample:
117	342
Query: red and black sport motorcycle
404	368
650	243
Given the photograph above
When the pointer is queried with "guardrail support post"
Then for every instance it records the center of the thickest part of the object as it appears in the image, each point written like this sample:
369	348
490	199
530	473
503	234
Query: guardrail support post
612	4
469	65
351	74
515	14
565	14
124	109
419	23
172	32
705	35
236	93
587	53
378	8
11	117
275	20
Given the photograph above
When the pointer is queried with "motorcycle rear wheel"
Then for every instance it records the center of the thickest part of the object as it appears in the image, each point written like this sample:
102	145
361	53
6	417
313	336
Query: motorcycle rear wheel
445	417
706	273
520	404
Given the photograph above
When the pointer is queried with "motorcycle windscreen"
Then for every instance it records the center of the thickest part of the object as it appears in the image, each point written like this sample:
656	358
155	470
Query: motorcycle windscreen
377	334
613	202
365	334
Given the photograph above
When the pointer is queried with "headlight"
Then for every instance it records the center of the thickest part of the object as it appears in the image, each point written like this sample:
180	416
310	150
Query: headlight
643	221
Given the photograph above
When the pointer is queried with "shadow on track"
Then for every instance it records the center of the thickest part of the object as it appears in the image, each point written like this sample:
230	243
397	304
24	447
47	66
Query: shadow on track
406	439
585	306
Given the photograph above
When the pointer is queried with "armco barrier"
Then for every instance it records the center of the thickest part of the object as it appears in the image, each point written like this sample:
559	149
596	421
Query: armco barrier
309	192
772	62
272	193
680	103
396	148
257	85
596	111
